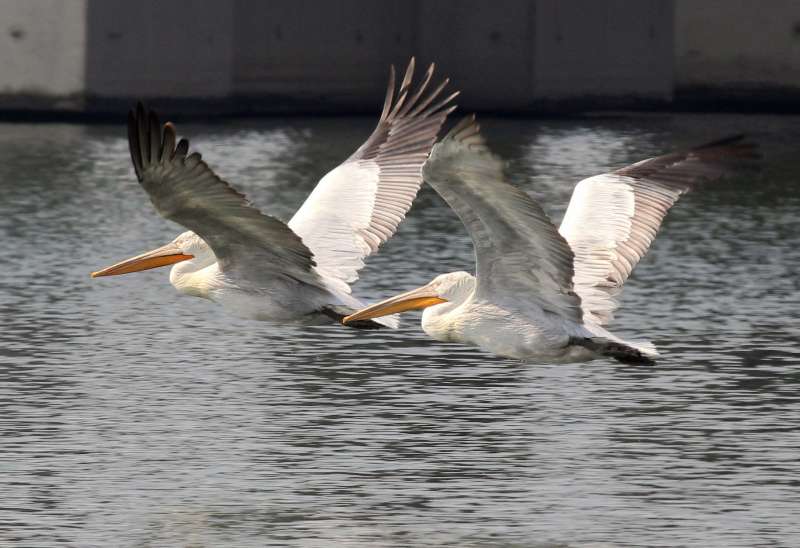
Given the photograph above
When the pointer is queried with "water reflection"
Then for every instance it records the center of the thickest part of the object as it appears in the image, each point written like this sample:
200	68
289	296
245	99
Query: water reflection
131	416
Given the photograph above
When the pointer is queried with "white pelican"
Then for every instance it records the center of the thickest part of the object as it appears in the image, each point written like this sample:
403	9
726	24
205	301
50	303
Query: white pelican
259	267
539	293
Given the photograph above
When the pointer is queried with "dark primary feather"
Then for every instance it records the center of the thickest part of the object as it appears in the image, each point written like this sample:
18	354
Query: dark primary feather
404	121
185	190
693	166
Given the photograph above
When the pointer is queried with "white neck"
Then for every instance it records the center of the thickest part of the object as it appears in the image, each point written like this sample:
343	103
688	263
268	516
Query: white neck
437	320
438	323
195	277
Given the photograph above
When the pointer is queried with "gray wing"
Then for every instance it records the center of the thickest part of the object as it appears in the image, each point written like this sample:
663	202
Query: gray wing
519	253
185	190
359	204
613	218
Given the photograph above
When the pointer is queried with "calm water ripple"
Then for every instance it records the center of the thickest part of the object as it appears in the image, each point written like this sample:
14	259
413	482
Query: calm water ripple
131	416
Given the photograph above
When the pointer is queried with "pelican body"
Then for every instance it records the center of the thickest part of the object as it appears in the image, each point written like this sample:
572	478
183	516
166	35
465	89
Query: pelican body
540	293
196	272
454	311
261	268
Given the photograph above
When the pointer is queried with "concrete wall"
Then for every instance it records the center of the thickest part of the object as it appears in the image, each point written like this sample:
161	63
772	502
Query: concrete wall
152	48
303	55
614	48
307	49
502	59
728	44
488	53
251	55
42	49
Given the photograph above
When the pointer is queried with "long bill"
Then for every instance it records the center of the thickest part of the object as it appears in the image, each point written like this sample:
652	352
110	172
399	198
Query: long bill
163	256
415	299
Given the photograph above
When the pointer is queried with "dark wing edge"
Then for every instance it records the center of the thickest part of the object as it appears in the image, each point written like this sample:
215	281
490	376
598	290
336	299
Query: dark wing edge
184	189
400	144
408	121
688	168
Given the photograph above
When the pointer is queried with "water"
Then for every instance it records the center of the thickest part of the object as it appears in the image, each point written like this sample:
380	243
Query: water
132	416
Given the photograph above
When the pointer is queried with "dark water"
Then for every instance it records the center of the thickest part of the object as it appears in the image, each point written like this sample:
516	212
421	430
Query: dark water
132	416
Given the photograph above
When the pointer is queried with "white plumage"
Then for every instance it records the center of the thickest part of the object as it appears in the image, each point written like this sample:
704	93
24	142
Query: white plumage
540	293
613	218
259	267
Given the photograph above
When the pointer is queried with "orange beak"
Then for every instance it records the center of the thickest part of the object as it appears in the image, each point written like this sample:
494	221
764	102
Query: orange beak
163	256
416	299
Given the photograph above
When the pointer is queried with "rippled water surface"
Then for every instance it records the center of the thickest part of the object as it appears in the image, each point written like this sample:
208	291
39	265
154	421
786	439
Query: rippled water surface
132	416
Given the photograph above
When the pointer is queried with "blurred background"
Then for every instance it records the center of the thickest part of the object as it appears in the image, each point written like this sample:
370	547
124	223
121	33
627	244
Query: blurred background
302	56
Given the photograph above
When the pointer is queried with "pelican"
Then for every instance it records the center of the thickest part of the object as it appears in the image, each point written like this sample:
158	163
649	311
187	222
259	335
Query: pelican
542	294
259	267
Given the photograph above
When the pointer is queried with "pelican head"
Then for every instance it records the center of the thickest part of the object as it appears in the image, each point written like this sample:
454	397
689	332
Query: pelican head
188	248
452	288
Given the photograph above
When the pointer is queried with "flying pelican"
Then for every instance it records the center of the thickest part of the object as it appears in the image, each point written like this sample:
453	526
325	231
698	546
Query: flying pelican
259	267
542	294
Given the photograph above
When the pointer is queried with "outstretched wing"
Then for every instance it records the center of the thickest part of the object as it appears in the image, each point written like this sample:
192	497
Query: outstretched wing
613	218
185	190
358	205
519	253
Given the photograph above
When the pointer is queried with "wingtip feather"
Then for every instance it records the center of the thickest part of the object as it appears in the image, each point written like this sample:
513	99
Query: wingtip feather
464	129
405	87
387	101
417	94
133	144
154	128
168	144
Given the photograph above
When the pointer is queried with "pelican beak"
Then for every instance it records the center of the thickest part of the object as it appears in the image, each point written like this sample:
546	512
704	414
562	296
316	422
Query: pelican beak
163	256
416	299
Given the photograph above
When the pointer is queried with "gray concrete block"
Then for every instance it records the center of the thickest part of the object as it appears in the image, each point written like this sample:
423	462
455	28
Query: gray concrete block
337	51
487	49
611	48
42	51
150	48
737	43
